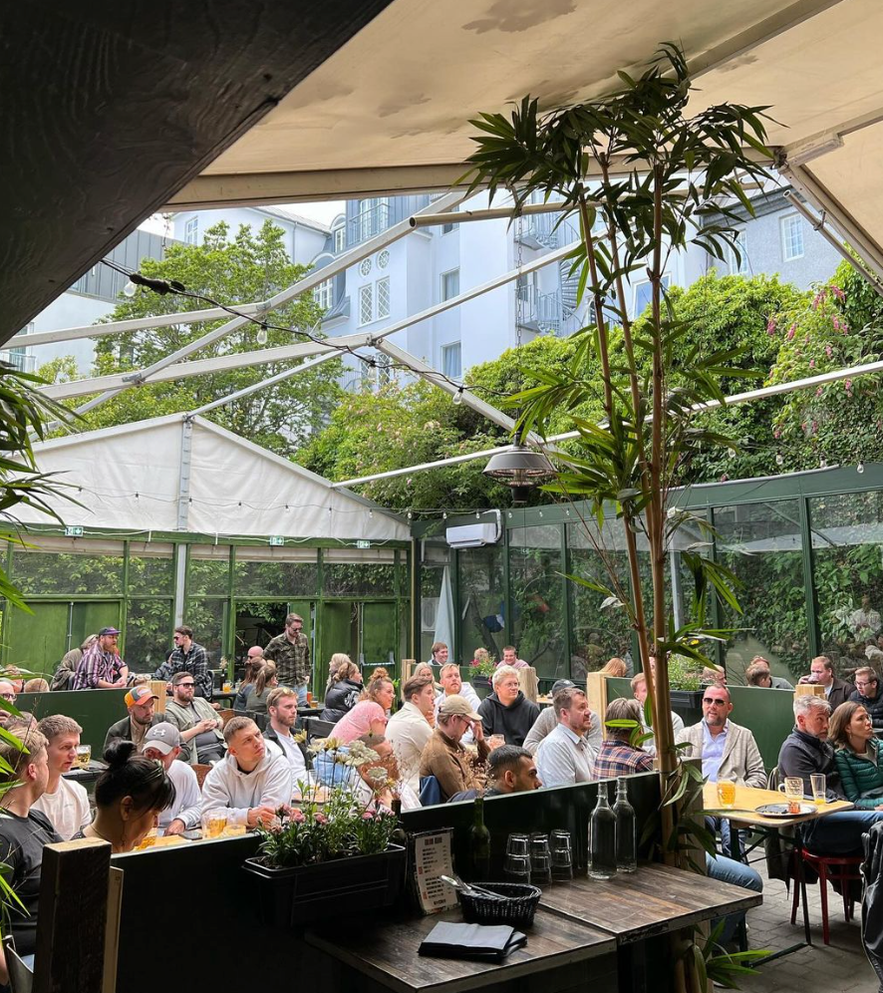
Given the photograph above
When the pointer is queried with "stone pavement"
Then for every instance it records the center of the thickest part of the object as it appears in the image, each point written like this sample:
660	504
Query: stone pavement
821	968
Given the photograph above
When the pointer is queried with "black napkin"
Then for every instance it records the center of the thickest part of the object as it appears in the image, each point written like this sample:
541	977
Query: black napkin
471	941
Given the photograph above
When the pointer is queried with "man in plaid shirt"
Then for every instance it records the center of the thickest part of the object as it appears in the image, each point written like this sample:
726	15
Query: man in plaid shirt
617	756
291	653
187	656
101	667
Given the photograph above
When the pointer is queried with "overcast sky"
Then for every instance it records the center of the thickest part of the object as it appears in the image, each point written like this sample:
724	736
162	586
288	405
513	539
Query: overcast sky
325	212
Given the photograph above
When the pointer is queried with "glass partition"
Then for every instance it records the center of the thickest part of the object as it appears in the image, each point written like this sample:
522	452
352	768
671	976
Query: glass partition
208	570
151	568
436	599
481	600
276	572
148	633
208	618
64	566
364	572
536	598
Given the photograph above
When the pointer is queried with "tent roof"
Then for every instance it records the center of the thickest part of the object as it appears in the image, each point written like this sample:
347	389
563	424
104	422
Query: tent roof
388	111
128	478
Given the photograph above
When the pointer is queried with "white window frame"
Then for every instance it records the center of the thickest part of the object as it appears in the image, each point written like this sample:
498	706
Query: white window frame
442	280
323	293
740	269
666	282
785	229
449	349
382	312
367	289
191	231
339	239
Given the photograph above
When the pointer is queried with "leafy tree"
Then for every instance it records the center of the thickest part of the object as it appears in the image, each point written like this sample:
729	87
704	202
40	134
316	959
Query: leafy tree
248	268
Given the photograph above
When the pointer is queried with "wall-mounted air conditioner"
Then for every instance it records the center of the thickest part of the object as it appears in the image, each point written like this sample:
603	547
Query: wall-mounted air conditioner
472	535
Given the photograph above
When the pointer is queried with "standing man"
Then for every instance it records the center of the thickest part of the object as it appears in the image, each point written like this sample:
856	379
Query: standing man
187	656
565	756
291	653
282	710
101	666
867	693
140	702
65	804
821	672
438	654
202	740
163	744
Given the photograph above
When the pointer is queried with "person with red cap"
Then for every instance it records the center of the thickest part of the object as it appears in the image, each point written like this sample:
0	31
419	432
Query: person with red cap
140	702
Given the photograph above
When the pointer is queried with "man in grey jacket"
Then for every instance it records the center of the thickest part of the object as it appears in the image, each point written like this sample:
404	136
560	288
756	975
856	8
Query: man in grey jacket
548	721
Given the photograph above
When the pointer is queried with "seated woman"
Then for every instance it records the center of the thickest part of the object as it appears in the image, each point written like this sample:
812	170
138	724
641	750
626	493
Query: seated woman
129	796
366	717
344	691
380	689
265	682
615	667
857	755
252	667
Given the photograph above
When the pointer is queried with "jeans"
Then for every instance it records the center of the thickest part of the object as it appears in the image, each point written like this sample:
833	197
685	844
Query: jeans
737	874
841	833
301	695
331	773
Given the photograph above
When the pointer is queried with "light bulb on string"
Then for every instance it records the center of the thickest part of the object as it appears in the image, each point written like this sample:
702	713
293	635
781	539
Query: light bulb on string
860	468
780	459
130	289
261	336
823	463
457	398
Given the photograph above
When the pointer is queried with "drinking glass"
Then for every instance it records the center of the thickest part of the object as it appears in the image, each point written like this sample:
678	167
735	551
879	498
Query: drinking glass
84	756
562	855
213	823
309	699
819	787
495	741
517	866
726	793
540	858
793	790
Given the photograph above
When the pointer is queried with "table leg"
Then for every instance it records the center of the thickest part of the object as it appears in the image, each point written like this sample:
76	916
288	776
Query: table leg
800	880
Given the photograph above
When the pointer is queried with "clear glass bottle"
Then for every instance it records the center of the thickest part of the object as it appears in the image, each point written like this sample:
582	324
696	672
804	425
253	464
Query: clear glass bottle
602	838
626	830
479	844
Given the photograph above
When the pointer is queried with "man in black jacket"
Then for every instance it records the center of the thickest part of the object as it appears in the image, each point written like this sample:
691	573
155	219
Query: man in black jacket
806	751
821	672
507	711
868	694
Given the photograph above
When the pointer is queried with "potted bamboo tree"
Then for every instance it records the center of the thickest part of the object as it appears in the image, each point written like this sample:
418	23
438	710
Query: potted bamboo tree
644	180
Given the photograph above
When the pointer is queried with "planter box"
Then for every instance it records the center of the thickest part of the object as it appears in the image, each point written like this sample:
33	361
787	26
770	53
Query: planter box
482	686
302	894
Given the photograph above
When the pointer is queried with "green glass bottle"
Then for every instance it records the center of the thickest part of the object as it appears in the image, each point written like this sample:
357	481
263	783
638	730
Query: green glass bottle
479	844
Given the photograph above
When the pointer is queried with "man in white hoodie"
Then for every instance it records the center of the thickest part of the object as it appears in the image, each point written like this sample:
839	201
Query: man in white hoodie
253	781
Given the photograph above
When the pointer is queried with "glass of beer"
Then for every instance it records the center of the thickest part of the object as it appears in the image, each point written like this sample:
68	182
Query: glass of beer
309	699
84	756
214	822
793	790
726	793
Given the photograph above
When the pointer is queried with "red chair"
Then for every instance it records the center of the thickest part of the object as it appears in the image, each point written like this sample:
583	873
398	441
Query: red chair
833	868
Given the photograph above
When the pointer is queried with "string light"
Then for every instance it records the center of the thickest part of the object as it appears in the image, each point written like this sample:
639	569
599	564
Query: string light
860	468
261	336
457	399
780	458
130	289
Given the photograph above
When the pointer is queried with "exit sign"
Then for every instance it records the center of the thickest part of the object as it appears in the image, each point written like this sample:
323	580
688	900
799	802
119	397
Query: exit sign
277	539
74	531
363	543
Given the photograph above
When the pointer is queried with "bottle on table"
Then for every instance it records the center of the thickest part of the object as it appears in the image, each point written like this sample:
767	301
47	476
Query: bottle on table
626	830
479	844
602	838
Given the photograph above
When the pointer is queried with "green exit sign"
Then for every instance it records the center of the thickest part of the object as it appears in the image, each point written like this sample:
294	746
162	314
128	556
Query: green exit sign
277	539
73	532
363	543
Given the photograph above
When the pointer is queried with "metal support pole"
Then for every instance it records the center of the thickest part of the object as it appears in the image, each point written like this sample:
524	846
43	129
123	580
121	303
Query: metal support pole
487	214
184	467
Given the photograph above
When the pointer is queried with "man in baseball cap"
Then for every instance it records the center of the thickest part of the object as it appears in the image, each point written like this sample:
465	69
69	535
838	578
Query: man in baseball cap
140	702
162	742
444	755
101	667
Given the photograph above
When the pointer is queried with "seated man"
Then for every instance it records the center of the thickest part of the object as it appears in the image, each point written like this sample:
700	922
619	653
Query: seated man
445	757
869	694
140	702
507	711
618	756
253	781
639	690
565	756
821	672
23	833
805	751
163	743
510	769
65	804
775	682
370	785
409	729
282	710
510	657
202	740
452	684
548	721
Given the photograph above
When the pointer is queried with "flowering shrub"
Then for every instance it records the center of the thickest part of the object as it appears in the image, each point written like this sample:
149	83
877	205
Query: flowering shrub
342	825
483	664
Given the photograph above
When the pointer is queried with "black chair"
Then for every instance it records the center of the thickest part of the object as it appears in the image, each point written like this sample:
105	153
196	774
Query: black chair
21	977
872	899
317	728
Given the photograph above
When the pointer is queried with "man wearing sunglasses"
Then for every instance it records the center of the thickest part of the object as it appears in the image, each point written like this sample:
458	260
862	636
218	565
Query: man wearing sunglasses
202	739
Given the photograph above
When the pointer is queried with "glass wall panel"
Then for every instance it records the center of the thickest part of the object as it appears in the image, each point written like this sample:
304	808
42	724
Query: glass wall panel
367	572
597	635
208	570
482	600
276	572
847	541
761	543
69	567
151	568
208	618
148	634
436	599
536	598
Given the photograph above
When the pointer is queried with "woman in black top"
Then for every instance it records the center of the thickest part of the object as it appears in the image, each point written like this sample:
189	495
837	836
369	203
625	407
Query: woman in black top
344	692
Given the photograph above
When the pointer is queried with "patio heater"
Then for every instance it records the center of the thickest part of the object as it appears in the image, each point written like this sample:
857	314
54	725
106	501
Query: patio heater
520	468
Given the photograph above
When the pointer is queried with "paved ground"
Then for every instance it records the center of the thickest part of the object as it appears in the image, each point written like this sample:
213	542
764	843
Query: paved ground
821	968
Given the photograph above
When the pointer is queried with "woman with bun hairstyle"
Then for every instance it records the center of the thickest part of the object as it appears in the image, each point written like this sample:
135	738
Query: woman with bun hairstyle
129	795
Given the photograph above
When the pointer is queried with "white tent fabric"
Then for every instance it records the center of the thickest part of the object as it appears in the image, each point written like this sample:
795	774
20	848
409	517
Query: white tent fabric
128	478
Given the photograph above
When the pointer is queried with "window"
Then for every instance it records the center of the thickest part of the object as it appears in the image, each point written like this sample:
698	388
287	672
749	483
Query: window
382	297
366	303
644	294
451	363
450	284
738	266
365	267
323	294
373	217
340	239
792	237
191	231
448	228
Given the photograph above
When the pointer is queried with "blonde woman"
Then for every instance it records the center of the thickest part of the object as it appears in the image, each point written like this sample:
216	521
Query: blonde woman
346	687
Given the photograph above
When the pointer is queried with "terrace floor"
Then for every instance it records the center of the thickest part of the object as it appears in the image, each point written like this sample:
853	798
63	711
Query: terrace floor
832	968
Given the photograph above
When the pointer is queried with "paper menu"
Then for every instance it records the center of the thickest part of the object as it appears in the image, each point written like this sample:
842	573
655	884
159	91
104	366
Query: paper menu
432	859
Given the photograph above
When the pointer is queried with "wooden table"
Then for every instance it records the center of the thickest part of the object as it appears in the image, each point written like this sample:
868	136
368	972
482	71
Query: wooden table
561	956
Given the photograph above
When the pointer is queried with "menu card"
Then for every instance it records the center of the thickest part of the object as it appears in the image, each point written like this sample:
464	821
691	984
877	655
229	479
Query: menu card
432	860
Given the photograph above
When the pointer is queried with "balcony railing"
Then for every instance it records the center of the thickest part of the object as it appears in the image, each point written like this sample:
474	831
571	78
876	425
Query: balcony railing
367	223
18	359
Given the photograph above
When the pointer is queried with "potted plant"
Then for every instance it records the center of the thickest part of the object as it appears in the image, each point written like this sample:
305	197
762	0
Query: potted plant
481	669
686	691
333	849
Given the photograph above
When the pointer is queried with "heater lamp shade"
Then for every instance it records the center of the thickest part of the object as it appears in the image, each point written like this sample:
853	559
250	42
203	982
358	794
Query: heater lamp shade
520	467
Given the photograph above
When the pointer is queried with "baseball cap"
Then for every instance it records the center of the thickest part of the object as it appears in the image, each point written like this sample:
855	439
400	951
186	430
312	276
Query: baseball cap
162	737
459	705
139	695
562	684
105	631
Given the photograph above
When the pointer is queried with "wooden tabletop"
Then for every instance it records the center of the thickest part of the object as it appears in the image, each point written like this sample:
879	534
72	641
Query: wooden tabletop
749	798
387	952
654	900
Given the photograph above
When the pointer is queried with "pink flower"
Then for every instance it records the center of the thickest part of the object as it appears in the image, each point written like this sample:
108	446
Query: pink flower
838	293
829	351
836	322
297	815
724	478
848	384
819	391
777	433
321	818
812	363
367	816
791	332
815	427
771	326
